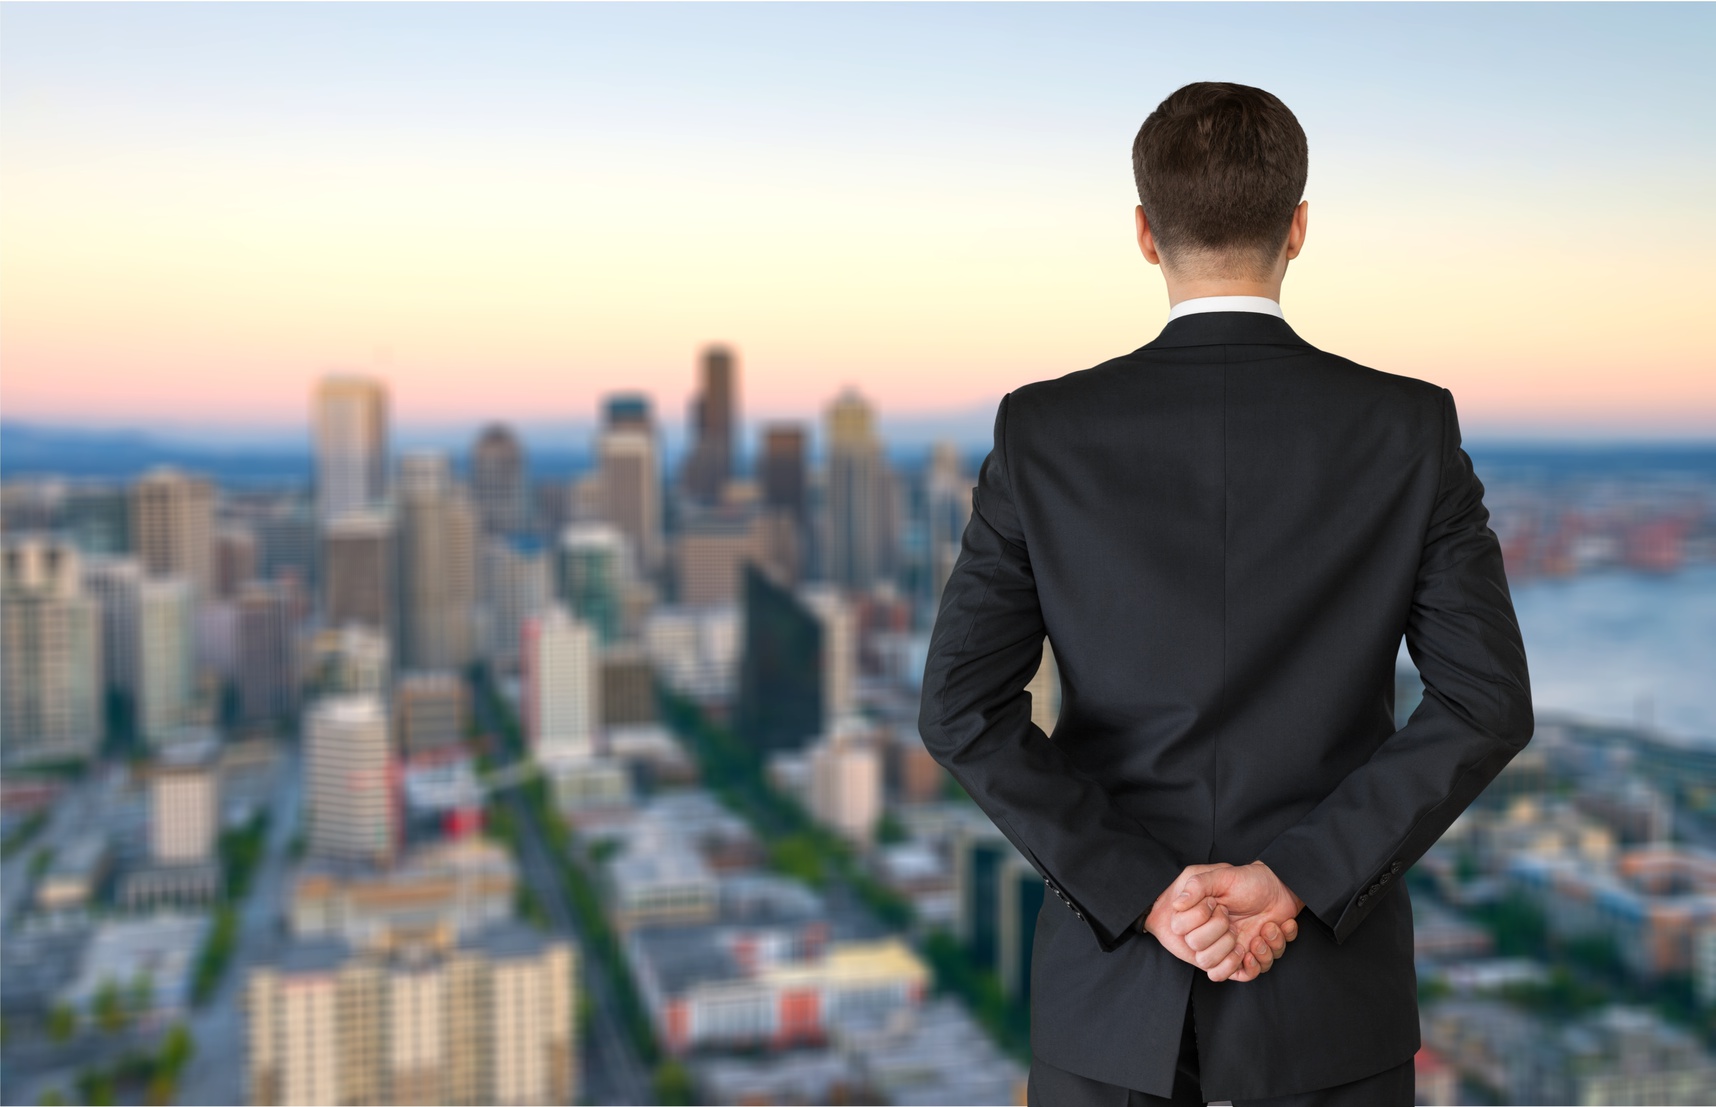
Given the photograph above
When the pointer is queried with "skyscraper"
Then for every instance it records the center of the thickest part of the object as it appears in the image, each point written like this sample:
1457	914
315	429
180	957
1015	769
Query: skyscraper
172	527
51	703
785	497
428	712
860	507
515	583
289	543
166	657
839	653
358	572
715	544
349	418
351	782
115	583
713	416
947	500
783	469
593	574
437	565
781	669
499	481
235	559
267	651
631	482
562	685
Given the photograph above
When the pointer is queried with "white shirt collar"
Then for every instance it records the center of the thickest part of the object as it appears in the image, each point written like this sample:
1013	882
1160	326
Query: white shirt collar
1225	303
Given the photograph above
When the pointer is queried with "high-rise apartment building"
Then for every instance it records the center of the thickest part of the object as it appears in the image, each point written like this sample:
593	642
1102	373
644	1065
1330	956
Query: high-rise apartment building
172	527
288	541
115	583
839	652
786	498
429	712
515	583
351	780
782	469
594	570
715	545
859	496
437	565
348	659
349	417
846	780
51	702
499	481
631	482
236	559
947	504
997	896
268	666
485	1018
184	804
358	572
166	658
781	694
714	414
562	685
628	686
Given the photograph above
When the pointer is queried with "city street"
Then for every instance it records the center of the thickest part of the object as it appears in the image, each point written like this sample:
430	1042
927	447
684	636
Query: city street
216	1074
612	1071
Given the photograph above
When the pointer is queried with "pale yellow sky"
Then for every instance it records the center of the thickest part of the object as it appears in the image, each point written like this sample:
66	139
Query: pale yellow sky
213	267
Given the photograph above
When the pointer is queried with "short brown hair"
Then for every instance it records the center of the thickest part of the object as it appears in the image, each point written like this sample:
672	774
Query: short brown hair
1220	169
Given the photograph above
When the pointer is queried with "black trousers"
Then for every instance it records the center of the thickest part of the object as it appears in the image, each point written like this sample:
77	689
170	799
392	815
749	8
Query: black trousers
1053	1087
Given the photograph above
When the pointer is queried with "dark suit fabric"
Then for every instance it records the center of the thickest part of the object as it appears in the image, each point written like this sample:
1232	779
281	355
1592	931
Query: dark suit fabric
1225	534
1049	1086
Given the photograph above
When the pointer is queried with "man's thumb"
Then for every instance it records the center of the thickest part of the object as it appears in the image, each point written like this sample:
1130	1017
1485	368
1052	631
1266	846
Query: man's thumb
1192	888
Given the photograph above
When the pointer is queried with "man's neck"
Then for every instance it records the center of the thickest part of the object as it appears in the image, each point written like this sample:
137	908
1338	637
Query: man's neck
1192	289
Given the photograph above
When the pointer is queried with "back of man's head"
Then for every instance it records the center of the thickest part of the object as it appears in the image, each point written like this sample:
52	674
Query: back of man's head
1220	168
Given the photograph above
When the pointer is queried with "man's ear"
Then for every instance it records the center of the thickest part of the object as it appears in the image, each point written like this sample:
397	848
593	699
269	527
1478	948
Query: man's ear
1146	241
1296	229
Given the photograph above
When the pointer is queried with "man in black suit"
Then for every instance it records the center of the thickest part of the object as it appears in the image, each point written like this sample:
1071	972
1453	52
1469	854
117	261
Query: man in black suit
1225	534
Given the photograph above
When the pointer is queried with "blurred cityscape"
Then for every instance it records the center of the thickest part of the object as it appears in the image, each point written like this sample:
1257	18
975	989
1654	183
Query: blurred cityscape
441	778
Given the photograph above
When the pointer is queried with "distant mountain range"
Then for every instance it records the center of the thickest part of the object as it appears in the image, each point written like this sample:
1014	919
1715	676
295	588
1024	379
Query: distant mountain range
239	455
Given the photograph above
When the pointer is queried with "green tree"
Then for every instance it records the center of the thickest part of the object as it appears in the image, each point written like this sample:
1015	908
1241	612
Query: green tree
797	855
177	1049
141	994
888	830
110	1012
62	1022
585	1012
95	1088
160	1090
672	1084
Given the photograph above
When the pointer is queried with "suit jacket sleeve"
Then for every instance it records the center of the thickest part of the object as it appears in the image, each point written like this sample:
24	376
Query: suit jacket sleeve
1350	850
975	718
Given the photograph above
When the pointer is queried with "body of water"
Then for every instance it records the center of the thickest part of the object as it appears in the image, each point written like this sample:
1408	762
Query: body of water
1624	647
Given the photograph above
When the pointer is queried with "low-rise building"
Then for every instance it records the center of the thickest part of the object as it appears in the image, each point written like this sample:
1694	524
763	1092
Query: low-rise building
1652	903
775	986
467	884
585	784
148	958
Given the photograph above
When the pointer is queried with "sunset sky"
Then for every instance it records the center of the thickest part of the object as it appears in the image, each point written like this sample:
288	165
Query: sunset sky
512	210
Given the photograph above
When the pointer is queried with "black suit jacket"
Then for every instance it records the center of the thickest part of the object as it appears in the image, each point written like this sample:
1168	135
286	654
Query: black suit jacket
1224	534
